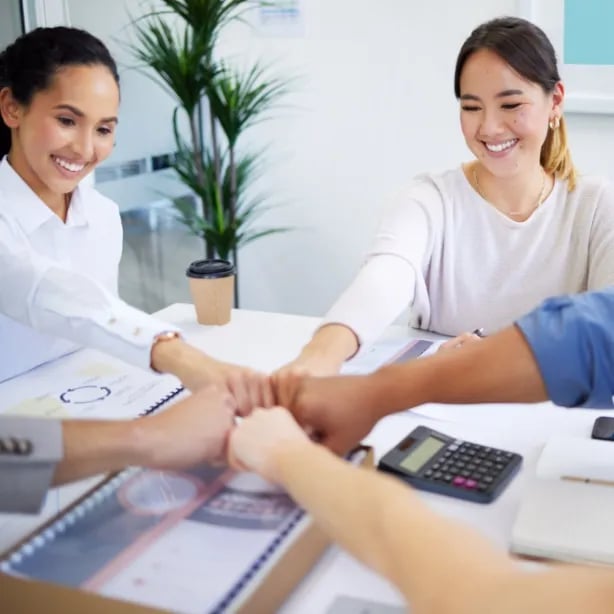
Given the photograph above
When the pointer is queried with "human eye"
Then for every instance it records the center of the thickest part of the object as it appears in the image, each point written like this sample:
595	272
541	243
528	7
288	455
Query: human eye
509	106
467	107
105	130
66	121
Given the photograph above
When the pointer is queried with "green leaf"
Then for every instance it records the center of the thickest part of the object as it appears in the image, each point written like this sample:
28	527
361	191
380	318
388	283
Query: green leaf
176	59
240	99
264	233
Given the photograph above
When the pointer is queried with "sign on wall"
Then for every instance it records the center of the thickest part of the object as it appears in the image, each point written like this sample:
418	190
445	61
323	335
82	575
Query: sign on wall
283	18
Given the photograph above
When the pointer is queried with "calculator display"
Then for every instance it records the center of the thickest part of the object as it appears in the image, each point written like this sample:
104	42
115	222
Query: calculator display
423	452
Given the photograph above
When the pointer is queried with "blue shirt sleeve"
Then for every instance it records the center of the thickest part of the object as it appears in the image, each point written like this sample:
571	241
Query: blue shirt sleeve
572	339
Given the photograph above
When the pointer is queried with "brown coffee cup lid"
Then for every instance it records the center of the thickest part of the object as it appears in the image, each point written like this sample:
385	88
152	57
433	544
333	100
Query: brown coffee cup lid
210	268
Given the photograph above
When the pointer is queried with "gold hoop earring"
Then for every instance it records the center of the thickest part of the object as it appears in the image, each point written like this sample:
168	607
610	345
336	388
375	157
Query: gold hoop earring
554	123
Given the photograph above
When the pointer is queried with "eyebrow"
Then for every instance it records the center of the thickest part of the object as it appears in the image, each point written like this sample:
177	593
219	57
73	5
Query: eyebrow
502	94
80	113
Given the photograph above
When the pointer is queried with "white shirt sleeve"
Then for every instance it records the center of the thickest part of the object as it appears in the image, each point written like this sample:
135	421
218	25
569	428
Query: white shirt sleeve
51	298
386	284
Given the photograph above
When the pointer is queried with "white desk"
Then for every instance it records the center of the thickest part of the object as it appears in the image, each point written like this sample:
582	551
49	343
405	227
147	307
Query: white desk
266	341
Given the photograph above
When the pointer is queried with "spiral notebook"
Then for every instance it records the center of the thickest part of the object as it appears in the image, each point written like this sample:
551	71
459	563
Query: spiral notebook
198	541
87	384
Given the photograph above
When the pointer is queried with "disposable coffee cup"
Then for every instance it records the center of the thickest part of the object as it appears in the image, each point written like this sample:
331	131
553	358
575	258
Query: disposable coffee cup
212	283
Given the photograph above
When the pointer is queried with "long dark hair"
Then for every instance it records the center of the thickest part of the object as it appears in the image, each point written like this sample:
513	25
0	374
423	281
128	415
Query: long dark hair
527	49
28	65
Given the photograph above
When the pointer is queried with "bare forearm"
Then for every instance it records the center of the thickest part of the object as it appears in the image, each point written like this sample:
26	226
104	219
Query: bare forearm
342	502
93	447
500	368
383	523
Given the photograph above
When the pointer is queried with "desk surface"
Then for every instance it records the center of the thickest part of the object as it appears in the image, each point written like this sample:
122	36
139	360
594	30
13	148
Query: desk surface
268	340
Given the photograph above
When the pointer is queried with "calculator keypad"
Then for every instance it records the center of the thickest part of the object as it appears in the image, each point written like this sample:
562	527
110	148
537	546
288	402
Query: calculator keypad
451	466
468	465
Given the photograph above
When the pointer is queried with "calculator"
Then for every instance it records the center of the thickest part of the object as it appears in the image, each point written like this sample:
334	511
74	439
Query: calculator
432	461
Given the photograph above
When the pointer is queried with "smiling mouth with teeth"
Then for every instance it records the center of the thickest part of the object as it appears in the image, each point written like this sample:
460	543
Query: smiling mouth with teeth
69	166
499	147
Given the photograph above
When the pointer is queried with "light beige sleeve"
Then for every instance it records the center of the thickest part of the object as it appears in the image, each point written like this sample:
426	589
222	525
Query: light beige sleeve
392	274
601	243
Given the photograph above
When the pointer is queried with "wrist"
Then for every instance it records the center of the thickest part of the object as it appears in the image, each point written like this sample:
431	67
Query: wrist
322	356
166	352
287	455
184	361
161	338
333	343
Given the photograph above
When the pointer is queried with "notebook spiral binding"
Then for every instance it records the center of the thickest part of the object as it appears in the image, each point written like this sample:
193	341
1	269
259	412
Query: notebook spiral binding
163	400
227	600
66	520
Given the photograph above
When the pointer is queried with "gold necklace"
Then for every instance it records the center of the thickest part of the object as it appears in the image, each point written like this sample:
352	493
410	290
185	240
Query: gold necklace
540	197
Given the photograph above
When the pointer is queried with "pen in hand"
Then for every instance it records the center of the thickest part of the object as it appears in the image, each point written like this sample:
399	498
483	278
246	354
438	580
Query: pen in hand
479	332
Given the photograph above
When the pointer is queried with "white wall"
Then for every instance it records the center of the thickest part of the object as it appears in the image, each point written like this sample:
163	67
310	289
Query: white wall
373	107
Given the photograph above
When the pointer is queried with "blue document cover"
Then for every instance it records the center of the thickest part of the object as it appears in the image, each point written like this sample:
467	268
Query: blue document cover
189	542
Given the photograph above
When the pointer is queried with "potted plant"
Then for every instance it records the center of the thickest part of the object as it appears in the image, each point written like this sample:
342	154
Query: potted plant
178	42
